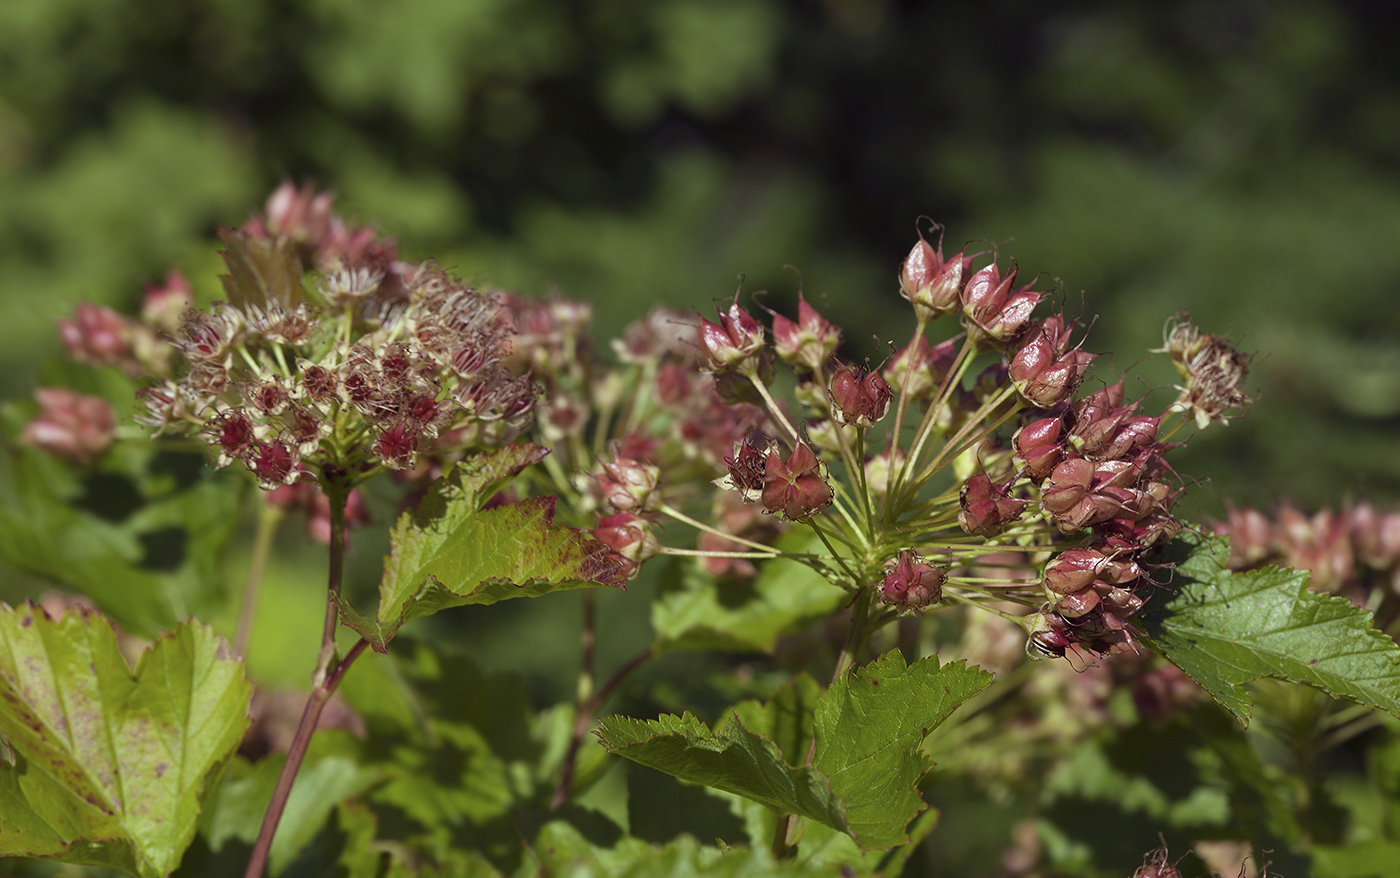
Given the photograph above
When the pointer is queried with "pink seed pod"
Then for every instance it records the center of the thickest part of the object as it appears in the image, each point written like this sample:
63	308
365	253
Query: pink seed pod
929	282
858	397
735	344
986	508
807	343
796	488
626	485
911	585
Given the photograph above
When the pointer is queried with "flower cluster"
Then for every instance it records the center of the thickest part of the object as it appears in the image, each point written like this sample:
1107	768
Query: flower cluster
964	448
382	362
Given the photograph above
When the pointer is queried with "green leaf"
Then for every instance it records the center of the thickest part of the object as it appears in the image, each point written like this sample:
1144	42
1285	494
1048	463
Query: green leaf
157	558
1371	858
1224	629
732	759
787	718
869	727
707	614
560	849
450	552
112	765
324	781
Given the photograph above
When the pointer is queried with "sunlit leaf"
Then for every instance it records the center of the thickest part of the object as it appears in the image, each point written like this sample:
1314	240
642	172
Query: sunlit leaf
1224	629
111	764
867	763
449	552
869	726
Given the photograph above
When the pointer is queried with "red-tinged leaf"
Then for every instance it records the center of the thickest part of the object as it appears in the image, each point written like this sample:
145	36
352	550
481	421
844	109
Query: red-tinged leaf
450	552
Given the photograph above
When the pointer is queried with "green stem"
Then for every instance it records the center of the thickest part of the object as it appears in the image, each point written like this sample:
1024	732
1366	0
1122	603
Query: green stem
774	412
269	517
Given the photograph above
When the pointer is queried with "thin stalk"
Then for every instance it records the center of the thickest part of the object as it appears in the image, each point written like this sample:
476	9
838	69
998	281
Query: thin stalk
855	581
269	517
773	410
310	716
324	680
671	511
863	485
705	553
903	405
584	718
952	379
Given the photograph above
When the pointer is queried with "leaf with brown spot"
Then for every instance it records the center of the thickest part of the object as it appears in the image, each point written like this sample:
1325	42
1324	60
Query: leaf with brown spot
109	765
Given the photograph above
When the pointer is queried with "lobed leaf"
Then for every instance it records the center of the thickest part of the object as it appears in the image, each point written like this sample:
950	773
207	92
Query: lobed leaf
449	552
111	765
732	759
561	849
1224	629
869	727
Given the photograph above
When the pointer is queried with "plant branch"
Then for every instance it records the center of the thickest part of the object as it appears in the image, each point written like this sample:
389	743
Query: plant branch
324	679
584	719
321	694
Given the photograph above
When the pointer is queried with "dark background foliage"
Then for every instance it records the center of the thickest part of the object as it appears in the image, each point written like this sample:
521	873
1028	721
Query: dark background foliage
1234	159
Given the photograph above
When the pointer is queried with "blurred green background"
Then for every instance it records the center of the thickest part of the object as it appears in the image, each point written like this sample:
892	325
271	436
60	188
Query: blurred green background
1235	159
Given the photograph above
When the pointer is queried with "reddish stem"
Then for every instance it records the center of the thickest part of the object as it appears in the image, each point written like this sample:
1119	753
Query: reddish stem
323	681
584	719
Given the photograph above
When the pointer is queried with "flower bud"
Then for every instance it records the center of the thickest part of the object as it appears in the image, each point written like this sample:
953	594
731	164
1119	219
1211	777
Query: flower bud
629	537
76	428
796	488
927	368
987	508
1072	570
300	214
735	344
992	312
163	304
1043	370
858	397
628	485
809	342
929	283
1038	448
1077	605
97	335
1049	636
910	585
